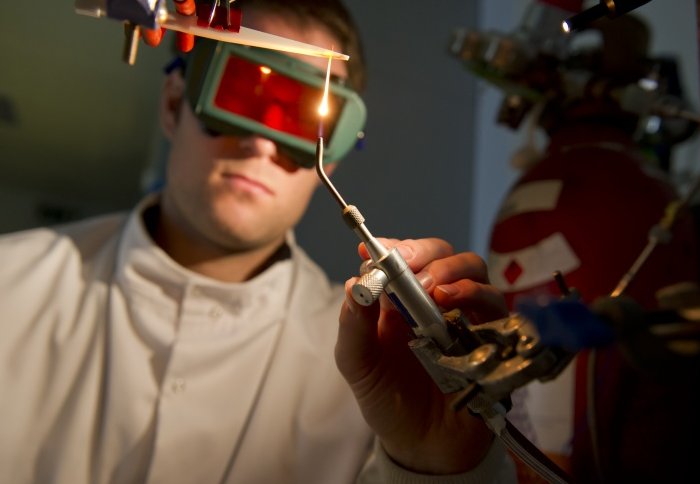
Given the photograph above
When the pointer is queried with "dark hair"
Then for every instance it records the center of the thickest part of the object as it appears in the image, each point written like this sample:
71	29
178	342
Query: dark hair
332	15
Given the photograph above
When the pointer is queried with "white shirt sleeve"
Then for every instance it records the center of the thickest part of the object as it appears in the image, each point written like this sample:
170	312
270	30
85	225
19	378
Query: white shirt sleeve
496	468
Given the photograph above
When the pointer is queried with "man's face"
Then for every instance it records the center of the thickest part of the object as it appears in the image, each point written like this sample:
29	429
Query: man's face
239	193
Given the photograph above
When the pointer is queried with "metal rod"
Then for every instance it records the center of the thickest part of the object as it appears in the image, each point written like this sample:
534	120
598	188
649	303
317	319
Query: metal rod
132	33
322	174
213	11
666	223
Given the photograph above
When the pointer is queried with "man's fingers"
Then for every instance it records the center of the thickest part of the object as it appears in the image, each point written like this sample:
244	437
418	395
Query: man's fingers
480	302
454	280
357	336
465	265
416	252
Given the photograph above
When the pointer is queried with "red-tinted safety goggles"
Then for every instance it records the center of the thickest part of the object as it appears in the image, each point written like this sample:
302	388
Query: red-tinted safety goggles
235	89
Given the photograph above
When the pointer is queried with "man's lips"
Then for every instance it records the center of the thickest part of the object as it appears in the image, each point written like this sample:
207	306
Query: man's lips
242	182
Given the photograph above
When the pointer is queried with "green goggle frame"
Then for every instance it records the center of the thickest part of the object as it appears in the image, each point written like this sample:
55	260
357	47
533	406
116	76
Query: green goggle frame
240	90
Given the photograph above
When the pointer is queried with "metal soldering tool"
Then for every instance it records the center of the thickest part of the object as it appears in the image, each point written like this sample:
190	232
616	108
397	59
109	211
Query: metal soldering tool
480	375
389	272
485	364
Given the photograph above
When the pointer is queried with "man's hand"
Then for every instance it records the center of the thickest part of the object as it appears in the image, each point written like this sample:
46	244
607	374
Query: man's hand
409	414
184	42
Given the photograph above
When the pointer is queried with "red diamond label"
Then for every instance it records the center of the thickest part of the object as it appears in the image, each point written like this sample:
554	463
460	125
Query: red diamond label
512	272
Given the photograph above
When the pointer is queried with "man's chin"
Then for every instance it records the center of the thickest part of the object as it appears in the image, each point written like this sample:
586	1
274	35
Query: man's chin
243	237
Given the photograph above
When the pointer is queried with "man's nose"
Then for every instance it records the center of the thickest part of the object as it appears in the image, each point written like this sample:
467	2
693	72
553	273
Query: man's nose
257	146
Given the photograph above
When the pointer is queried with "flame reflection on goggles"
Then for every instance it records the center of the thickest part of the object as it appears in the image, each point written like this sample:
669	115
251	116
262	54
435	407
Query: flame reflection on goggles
241	90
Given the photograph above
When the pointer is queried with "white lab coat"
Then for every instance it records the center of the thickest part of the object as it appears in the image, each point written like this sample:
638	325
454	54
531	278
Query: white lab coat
117	365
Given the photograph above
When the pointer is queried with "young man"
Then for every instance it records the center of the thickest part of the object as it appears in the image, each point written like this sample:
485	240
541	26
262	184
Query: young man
193	340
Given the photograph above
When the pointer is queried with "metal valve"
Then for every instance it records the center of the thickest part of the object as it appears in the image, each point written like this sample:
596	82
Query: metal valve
369	287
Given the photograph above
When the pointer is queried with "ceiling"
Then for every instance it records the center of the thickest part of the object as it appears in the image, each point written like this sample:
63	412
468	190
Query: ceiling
76	123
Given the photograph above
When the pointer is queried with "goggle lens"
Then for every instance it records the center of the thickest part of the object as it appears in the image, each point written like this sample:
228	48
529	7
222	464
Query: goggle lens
257	92
238	90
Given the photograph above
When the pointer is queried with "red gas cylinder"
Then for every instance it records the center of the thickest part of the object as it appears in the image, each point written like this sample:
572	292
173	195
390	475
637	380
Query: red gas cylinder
586	210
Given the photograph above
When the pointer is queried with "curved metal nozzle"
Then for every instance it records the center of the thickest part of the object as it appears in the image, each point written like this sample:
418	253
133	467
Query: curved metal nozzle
322	174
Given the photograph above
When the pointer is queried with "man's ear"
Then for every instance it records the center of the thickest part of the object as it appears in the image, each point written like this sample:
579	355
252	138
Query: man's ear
170	102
